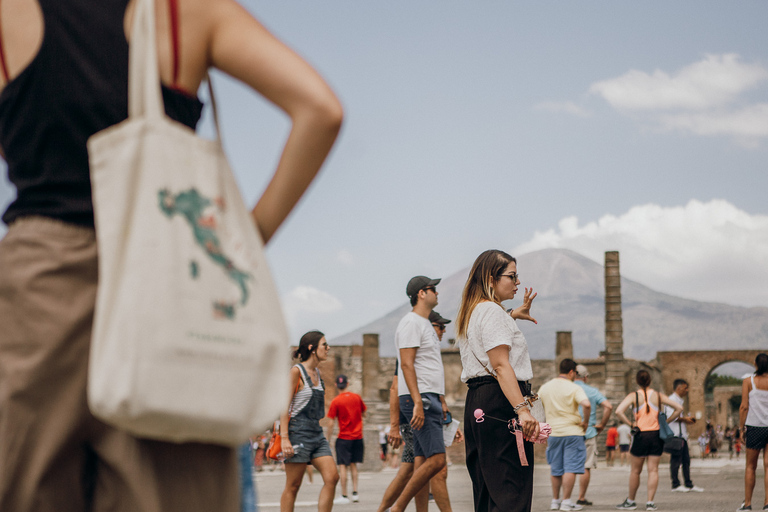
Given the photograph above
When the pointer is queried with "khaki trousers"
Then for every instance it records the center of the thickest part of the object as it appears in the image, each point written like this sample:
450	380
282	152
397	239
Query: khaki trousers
54	455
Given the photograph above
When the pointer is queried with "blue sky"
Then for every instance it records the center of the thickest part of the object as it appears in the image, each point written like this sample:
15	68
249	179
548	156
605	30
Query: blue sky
641	127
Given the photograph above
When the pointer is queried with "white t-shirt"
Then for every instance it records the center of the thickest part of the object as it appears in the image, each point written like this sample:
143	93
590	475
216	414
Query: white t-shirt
625	432
415	331
677	426
491	326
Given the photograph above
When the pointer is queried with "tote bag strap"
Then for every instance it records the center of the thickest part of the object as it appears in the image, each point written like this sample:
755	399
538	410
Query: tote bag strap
144	94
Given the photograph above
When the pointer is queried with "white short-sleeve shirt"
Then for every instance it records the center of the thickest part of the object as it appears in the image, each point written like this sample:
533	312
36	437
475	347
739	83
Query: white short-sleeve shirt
415	331
491	326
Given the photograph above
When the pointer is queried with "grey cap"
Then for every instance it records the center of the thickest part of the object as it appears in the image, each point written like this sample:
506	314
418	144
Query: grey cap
435	318
582	371
418	283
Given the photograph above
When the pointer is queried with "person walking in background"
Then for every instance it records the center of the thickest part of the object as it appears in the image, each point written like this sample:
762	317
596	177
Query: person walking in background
647	444
421	386
593	429
496	367
302	436
625	439
566	450
438	484
349	408
611	442
680	429
64	78
753	420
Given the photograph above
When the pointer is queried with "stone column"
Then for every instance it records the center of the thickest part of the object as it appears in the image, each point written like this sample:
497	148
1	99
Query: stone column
370	367
563	348
615	365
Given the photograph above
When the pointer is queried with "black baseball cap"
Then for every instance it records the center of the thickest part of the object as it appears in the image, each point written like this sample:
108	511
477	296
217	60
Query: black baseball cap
341	381
418	283
435	318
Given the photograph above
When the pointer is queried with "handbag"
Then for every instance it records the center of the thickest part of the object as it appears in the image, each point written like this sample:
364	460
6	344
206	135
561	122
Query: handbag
664	431
275	450
189	341
674	445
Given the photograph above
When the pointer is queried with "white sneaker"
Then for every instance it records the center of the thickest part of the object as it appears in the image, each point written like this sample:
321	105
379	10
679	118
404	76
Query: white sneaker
569	505
355	497
695	488
341	500
555	505
681	488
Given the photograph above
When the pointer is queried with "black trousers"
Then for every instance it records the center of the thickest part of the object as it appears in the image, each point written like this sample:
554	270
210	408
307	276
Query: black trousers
499	482
684	458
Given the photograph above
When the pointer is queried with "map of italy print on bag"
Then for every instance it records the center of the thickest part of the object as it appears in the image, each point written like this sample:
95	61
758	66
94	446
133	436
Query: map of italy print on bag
196	210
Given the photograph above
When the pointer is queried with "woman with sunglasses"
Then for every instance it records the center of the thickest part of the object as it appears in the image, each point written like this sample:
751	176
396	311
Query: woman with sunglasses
496	367
303	440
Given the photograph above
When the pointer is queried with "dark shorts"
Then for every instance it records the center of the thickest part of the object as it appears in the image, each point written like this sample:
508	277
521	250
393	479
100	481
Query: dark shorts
349	451
757	437
428	440
612	448
406	432
647	444
623	448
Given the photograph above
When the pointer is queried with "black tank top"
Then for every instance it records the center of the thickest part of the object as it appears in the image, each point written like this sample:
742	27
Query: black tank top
76	85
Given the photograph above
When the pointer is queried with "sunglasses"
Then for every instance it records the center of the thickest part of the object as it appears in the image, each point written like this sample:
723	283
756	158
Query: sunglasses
430	289
439	326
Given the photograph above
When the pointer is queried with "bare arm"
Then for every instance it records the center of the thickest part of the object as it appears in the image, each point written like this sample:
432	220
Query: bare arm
499	359
241	47
607	409
623	406
586	409
285	418
407	358
394	415
746	387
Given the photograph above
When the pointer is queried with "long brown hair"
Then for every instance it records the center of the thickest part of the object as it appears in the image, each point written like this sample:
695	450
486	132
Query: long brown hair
487	268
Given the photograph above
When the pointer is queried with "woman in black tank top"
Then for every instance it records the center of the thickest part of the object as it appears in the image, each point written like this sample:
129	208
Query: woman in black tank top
63	77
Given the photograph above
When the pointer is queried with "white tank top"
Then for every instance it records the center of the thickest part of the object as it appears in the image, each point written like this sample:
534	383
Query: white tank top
303	396
758	407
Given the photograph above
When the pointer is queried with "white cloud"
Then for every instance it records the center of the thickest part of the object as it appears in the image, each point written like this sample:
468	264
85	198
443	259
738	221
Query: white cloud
567	107
750	122
704	251
305	299
345	257
713	82
704	98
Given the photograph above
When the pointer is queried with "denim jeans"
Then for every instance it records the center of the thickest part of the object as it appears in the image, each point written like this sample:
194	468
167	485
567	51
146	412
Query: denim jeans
247	488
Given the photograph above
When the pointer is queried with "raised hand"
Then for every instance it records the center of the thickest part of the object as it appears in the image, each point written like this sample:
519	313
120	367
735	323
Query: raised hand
524	312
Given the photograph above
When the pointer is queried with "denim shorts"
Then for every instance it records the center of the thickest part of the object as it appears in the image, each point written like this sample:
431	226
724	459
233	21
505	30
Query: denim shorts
309	443
428	440
566	455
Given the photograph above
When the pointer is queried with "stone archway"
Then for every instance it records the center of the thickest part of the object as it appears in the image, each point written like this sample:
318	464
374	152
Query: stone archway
694	366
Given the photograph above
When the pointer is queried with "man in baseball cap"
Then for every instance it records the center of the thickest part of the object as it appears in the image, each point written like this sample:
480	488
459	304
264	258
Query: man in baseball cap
593	429
421	384
348	407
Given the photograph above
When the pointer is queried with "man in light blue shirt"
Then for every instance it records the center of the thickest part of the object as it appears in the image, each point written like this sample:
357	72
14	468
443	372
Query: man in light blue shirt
593	429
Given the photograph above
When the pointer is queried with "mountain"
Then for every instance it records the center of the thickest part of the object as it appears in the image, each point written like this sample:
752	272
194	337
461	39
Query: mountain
570	297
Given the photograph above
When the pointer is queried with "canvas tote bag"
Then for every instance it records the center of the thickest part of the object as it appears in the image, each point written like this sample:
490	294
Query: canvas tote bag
189	342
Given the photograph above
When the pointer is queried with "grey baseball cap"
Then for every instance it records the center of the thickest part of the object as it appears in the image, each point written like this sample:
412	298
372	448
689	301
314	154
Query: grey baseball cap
417	283
435	318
